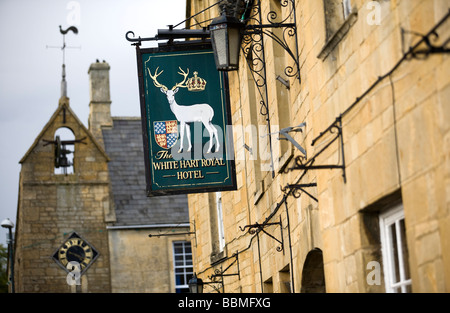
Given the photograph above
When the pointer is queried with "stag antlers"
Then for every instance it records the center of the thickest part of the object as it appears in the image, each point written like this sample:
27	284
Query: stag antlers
154	78
159	85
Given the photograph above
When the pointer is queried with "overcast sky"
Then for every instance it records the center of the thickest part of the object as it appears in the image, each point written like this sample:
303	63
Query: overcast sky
30	73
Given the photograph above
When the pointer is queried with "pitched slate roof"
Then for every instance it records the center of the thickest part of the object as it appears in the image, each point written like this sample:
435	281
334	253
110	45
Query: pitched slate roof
123	144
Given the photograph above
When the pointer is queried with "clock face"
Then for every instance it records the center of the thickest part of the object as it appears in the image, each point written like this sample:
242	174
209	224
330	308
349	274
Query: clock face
75	249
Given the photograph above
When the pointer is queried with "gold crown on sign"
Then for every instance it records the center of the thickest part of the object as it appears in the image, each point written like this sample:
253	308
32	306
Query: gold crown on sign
196	83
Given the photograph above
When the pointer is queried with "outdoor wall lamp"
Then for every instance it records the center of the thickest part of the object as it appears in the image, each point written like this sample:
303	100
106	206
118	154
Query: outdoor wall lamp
196	284
226	37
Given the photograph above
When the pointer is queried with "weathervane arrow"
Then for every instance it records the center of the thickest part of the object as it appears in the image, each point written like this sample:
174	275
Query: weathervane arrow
63	48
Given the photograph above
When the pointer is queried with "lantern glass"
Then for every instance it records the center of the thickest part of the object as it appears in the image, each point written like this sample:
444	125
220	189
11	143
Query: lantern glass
226	40
234	42
195	285
220	45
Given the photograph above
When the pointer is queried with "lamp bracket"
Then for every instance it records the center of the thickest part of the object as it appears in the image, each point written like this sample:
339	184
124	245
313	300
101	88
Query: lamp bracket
255	30
170	34
284	33
221	273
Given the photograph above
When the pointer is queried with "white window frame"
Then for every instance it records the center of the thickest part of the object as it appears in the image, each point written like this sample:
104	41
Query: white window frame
220	227
347	7
393	217
186	266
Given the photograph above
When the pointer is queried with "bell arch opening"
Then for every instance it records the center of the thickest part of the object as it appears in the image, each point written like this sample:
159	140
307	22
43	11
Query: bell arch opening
64	151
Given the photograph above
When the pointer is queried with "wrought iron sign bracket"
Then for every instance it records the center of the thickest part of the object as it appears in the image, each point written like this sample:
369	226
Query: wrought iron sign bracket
222	273
256	228
430	48
297	190
171	234
171	34
176	234
336	128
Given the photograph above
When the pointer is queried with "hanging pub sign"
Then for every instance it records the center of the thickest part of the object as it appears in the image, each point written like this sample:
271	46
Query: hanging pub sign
186	121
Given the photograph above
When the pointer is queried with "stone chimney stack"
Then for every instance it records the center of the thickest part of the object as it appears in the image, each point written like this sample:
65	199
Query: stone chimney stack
100	99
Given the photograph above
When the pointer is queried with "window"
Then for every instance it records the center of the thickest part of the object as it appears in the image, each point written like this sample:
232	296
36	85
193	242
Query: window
395	251
285	280
339	18
182	260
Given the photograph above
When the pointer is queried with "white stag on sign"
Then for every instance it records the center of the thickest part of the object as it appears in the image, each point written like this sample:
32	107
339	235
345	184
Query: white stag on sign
186	114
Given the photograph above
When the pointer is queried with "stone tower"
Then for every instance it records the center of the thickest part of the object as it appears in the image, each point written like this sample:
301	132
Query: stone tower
54	207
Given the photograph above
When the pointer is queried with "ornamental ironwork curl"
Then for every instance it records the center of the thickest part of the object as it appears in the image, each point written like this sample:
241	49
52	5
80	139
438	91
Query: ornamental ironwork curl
256	228
272	15
256	29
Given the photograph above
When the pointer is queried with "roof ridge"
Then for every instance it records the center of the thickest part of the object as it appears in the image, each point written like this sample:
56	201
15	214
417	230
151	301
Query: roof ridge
138	118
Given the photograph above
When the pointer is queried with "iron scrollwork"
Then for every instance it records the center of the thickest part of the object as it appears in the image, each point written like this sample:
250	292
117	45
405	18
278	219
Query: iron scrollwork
432	45
255	30
297	190
256	228
253	49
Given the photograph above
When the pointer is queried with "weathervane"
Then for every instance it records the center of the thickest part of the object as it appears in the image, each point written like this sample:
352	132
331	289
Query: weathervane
63	48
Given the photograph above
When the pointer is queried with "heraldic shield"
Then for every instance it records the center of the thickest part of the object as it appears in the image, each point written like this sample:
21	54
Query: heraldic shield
166	133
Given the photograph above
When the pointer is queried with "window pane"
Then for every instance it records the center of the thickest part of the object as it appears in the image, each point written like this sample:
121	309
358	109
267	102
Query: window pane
404	249
394	254
408	288
179	279
178	250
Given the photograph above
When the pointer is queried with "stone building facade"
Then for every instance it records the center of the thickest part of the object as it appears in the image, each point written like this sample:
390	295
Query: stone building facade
96	208
365	206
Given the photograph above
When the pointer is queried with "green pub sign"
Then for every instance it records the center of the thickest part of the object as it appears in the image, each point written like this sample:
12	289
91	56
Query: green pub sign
188	140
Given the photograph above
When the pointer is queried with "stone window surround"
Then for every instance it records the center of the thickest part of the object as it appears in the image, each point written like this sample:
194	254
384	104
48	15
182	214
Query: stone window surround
338	35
